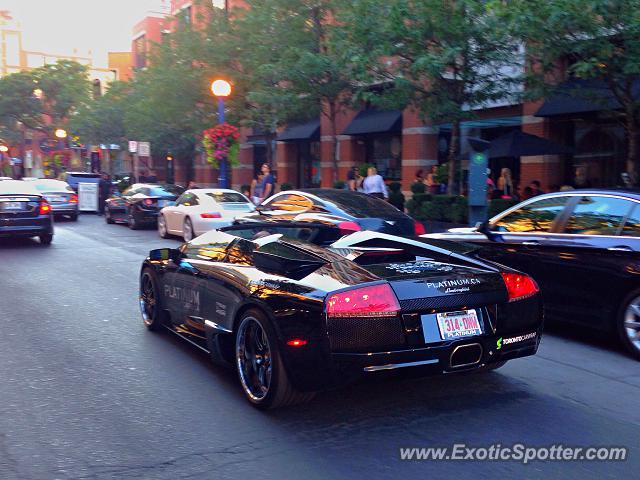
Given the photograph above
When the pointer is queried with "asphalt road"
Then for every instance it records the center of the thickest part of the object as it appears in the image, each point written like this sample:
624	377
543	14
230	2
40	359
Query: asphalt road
87	392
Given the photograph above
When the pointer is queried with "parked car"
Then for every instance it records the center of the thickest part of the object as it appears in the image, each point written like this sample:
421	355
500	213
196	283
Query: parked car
5	178
74	178
60	195
582	247
24	212
199	210
295	317
139	204
346	211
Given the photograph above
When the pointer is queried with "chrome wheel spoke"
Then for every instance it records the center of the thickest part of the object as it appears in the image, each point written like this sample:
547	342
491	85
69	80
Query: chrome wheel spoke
254	359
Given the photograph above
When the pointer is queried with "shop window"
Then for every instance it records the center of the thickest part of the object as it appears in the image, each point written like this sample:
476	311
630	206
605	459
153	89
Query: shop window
385	153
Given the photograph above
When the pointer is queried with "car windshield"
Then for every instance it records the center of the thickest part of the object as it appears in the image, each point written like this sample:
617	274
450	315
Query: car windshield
359	205
53	186
227	197
166	191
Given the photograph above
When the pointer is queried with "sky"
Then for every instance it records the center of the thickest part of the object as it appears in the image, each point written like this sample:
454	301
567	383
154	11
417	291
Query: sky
60	26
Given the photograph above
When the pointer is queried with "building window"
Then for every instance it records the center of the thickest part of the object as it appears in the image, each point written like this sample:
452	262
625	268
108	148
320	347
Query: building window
385	153
140	52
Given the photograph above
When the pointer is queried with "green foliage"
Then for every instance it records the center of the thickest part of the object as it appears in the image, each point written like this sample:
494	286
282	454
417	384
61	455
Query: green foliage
363	169
418	187
416	202
339	184
286	186
394	186
396	197
457	48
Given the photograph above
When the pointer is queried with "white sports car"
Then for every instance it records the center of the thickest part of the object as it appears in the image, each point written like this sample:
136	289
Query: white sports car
200	210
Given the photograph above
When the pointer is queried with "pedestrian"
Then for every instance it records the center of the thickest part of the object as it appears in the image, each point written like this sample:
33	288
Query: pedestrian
535	188
581	180
419	176
374	184
268	183
104	192
527	193
352	179
256	189
433	187
505	185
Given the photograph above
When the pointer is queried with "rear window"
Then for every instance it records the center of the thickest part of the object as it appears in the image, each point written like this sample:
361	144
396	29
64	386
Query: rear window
360	205
227	197
166	191
53	186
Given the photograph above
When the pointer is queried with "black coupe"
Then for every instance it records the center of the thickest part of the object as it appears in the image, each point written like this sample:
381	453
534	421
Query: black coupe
582	247
295	317
140	204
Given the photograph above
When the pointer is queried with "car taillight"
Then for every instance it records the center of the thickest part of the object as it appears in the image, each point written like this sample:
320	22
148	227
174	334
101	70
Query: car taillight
372	301
419	228
73	199
45	208
347	228
519	286
297	342
211	215
148	202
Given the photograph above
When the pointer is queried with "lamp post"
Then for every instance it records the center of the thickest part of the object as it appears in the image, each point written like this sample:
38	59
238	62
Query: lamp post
3	149
221	89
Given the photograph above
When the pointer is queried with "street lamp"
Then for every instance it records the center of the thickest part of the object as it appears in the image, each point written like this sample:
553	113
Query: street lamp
221	89
4	148
61	133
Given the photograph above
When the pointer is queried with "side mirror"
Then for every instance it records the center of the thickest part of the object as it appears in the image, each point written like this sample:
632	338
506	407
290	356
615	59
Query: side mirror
485	229
261	208
165	254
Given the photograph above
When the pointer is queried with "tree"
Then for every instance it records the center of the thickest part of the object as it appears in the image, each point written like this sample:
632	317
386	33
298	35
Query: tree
445	58
600	39
102	120
170	103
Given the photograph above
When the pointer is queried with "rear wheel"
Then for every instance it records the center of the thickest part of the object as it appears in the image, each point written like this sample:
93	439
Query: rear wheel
162	227
187	230
262	374
132	223
107	216
629	324
73	217
153	315
46	238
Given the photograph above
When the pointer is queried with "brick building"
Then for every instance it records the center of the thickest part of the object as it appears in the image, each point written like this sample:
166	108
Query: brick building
400	143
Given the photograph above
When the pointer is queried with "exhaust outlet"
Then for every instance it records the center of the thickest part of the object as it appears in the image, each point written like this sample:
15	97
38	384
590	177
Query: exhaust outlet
466	355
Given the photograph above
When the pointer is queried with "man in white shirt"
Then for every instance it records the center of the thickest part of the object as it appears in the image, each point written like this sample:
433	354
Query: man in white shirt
374	184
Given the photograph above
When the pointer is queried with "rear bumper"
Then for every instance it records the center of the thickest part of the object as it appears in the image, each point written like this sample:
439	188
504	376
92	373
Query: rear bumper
26	227
64	208
469	354
203	225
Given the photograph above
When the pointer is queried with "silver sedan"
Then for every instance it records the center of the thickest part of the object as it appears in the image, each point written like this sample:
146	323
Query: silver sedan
62	198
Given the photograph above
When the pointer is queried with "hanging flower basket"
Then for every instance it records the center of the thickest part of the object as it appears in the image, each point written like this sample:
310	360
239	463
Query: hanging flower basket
220	142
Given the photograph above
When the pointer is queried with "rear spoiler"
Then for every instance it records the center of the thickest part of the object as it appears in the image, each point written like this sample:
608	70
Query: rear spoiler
288	267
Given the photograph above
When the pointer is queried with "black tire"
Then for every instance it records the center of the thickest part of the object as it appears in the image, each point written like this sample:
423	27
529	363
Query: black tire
187	230
264	380
153	316
132	223
162	227
46	238
73	217
628	323
107	217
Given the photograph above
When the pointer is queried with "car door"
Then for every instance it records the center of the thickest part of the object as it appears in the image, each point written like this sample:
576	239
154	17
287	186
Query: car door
180	210
518	237
591	261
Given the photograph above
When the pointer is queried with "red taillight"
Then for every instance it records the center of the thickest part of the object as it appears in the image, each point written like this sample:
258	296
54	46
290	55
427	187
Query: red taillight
373	301
297	342
519	286
148	202
210	215
419	228
347	228
73	199
45	208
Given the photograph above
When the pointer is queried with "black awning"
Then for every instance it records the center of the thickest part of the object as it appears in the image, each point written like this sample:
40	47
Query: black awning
300	132
579	96
375	121
520	144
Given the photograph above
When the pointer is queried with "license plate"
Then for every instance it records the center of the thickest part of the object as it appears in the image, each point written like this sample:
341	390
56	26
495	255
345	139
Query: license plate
453	325
11	205
55	199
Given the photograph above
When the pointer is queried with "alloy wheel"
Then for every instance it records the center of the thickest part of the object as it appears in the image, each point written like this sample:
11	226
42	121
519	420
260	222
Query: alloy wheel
632	322
162	226
147	299
254	360
187	231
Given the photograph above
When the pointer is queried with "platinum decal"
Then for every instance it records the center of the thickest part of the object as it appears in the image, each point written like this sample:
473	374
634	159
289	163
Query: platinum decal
190	298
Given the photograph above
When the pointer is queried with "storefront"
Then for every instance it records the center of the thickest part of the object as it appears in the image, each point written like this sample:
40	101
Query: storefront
301	149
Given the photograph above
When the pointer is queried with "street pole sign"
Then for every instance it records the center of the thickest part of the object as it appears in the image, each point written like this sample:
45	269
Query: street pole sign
478	163
144	149
133	146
